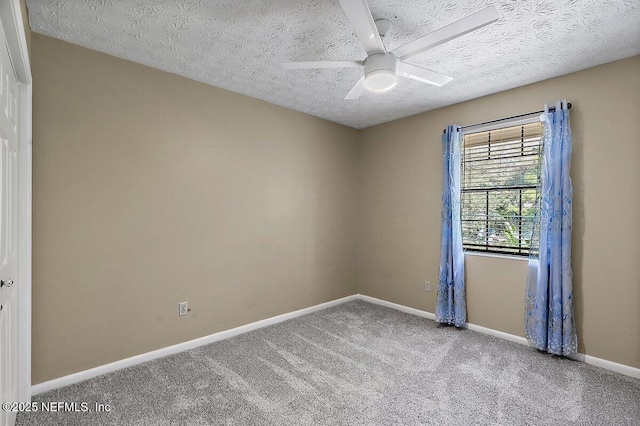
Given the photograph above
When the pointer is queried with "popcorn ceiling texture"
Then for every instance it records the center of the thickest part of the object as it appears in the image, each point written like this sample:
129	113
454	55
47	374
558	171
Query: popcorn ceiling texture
239	44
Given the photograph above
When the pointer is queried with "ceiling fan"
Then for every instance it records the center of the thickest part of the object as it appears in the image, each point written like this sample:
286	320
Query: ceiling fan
382	68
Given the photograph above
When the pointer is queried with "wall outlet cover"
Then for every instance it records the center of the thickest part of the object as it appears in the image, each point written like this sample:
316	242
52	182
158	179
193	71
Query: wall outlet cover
427	286
182	309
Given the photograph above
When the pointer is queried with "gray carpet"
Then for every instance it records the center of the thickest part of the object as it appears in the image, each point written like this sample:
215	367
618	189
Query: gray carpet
354	364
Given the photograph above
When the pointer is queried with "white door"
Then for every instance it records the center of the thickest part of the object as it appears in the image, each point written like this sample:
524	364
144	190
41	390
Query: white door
8	232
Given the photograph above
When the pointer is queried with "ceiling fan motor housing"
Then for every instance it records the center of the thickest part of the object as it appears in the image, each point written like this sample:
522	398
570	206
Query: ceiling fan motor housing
380	72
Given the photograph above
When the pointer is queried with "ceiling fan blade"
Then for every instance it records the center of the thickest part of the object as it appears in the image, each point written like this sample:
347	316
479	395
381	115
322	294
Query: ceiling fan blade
423	75
449	32
362	22
321	64
357	90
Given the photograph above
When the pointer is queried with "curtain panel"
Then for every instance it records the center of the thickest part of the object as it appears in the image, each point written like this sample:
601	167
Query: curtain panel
549	316
451	305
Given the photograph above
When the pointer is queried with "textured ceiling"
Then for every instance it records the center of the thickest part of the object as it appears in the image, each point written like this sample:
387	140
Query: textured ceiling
239	45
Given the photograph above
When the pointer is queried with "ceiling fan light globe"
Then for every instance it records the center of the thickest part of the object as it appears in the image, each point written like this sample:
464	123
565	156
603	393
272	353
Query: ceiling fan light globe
380	80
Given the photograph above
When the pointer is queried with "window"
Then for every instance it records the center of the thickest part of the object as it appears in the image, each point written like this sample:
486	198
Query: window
500	176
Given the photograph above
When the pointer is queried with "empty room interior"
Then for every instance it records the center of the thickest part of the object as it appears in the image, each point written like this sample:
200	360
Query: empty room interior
330	212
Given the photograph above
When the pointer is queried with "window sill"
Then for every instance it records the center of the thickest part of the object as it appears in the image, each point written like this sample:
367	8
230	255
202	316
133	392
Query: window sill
500	256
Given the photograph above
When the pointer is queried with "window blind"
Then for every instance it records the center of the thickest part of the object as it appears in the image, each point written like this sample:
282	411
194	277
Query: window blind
500	176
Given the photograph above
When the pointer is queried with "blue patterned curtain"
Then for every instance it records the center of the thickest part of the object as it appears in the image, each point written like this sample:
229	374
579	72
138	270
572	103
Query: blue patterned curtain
451	306
549	319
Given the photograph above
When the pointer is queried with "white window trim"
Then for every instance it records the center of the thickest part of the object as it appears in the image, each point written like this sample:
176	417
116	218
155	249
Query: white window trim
519	121
500	255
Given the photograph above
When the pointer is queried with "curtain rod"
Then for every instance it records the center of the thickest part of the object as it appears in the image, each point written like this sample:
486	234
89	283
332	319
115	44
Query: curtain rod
509	118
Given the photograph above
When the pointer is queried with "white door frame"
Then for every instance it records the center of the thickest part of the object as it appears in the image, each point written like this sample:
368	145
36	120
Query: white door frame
11	16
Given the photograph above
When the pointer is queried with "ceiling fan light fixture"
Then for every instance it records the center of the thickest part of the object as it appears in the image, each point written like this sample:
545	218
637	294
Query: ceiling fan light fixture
380	80
380	72
382	67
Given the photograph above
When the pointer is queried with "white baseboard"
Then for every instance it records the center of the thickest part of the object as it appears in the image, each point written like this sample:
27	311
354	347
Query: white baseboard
588	359
180	347
397	307
499	334
607	365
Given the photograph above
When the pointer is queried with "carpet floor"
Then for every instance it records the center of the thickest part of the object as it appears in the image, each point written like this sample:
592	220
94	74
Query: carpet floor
353	364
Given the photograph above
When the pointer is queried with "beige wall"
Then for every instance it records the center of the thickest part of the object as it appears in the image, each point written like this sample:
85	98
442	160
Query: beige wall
399	205
151	189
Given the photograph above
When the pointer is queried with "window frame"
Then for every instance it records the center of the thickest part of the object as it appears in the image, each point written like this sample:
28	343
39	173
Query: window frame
487	127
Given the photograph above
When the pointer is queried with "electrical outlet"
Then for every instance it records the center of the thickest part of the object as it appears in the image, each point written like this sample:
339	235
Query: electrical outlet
182	309
427	286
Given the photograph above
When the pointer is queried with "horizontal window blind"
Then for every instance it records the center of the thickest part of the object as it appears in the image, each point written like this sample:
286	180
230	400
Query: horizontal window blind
500	176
